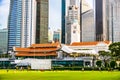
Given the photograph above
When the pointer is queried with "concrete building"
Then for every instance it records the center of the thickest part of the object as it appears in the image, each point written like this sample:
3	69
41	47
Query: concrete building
88	26
113	20
42	21
107	20
87	20
57	36
21	24
3	40
72	27
83	51
28	22
101	20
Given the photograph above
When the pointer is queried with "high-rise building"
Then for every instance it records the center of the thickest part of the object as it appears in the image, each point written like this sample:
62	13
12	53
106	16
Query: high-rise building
107	20
113	19
42	21
63	20
87	21
21	25
3	40
15	23
88	26
72	27
100	20
28	22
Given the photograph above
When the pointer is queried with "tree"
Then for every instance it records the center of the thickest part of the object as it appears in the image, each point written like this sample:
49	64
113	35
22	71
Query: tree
105	56
99	63
115	50
112	64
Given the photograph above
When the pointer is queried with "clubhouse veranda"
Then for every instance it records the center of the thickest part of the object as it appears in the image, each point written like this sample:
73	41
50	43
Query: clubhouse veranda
44	56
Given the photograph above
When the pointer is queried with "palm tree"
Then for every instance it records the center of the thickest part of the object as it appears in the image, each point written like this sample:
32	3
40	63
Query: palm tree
105	56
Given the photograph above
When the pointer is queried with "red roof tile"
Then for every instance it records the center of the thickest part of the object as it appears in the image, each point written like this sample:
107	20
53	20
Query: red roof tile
87	43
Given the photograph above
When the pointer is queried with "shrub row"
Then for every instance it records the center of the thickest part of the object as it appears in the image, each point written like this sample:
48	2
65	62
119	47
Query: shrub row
85	68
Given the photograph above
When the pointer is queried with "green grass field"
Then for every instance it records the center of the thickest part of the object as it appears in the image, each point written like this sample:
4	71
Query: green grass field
59	75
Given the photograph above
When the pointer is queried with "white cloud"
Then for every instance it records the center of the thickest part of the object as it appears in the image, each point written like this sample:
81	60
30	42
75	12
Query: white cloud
4	11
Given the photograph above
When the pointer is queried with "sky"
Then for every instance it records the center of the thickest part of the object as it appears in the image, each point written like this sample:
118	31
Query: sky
54	13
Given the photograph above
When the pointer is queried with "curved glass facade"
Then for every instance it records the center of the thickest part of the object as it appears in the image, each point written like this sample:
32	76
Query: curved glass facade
15	23
21	25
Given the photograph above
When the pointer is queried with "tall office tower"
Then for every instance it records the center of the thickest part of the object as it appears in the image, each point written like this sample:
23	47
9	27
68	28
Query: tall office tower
113	19
21	24
101	20
88	26
72	27
63	21
3	40
42	21
28	22
86	22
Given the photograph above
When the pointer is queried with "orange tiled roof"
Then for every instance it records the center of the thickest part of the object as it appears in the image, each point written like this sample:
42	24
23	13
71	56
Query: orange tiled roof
35	50
87	43
27	54
46	45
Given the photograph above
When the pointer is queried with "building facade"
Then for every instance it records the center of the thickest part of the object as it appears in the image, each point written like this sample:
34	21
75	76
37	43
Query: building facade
14	24
21	24
63	9
28	22
72	27
101	20
40	51
113	19
3	40
42	21
88	26
57	36
86	19
107	20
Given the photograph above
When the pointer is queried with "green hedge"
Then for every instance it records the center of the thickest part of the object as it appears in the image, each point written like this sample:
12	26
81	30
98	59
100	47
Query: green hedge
85	68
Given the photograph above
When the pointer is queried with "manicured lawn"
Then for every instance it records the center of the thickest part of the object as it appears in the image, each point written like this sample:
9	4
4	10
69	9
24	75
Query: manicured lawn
59	75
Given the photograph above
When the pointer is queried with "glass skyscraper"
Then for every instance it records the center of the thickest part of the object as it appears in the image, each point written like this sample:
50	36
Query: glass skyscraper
3	40
21	23
15	23
63	20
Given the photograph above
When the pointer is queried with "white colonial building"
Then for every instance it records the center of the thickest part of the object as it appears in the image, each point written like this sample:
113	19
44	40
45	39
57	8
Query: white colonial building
84	51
